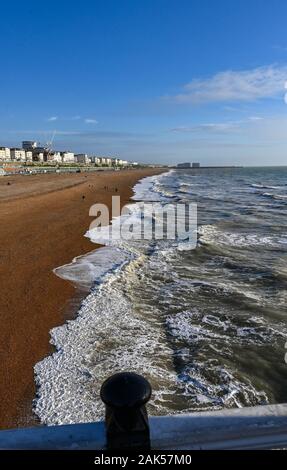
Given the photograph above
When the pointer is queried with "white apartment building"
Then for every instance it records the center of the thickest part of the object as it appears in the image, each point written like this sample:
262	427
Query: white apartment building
29	156
18	154
106	161
103	161
82	158
5	153
120	162
68	157
54	157
38	156
95	160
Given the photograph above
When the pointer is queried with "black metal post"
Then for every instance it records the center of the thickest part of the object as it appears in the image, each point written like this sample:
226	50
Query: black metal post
125	396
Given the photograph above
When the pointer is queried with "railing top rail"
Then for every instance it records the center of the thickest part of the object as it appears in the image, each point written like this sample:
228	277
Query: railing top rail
261	427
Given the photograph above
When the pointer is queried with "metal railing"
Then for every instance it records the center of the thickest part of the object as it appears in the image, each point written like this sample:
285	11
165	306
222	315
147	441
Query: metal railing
127	426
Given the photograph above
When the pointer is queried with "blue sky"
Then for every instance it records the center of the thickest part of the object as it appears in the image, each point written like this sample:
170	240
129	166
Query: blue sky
149	80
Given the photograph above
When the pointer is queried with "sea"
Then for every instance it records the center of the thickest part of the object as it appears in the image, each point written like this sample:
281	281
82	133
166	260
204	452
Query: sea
206	325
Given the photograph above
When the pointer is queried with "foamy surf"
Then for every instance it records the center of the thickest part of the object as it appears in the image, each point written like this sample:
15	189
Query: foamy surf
205	326
107	337
86	270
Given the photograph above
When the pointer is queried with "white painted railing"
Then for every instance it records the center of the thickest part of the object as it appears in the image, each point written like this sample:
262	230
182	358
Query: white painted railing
261	427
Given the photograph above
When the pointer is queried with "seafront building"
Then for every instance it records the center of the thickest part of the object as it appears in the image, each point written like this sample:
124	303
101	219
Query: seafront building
29	156
53	156
108	161
32	152
68	157
19	155
95	160
120	162
184	165
104	161
29	144
82	158
5	154
38	156
188	165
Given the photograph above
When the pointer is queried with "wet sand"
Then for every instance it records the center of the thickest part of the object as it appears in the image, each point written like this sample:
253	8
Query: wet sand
43	219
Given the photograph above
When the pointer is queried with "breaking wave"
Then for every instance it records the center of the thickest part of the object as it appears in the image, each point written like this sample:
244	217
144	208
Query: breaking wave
205	326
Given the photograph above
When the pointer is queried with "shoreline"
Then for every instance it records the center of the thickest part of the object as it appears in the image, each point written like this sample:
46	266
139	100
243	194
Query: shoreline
43	222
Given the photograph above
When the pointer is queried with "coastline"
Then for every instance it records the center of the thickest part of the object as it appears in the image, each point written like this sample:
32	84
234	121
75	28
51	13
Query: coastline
43	222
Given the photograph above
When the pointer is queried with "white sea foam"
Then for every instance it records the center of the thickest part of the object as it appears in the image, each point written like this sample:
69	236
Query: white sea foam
198	327
85	270
210	234
275	197
148	189
207	384
264	186
118	232
146	312
106	337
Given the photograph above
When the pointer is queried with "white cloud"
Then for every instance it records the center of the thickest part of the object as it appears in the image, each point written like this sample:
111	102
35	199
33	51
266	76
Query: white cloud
231	86
210	127
280	48
52	118
255	118
91	121
220	127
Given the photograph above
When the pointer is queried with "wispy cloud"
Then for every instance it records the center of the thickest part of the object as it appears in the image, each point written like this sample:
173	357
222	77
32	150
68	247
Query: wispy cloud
255	118
76	117
235	86
209	127
91	121
218	127
280	48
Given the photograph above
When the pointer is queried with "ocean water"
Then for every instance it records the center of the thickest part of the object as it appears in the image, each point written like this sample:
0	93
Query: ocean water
206	326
